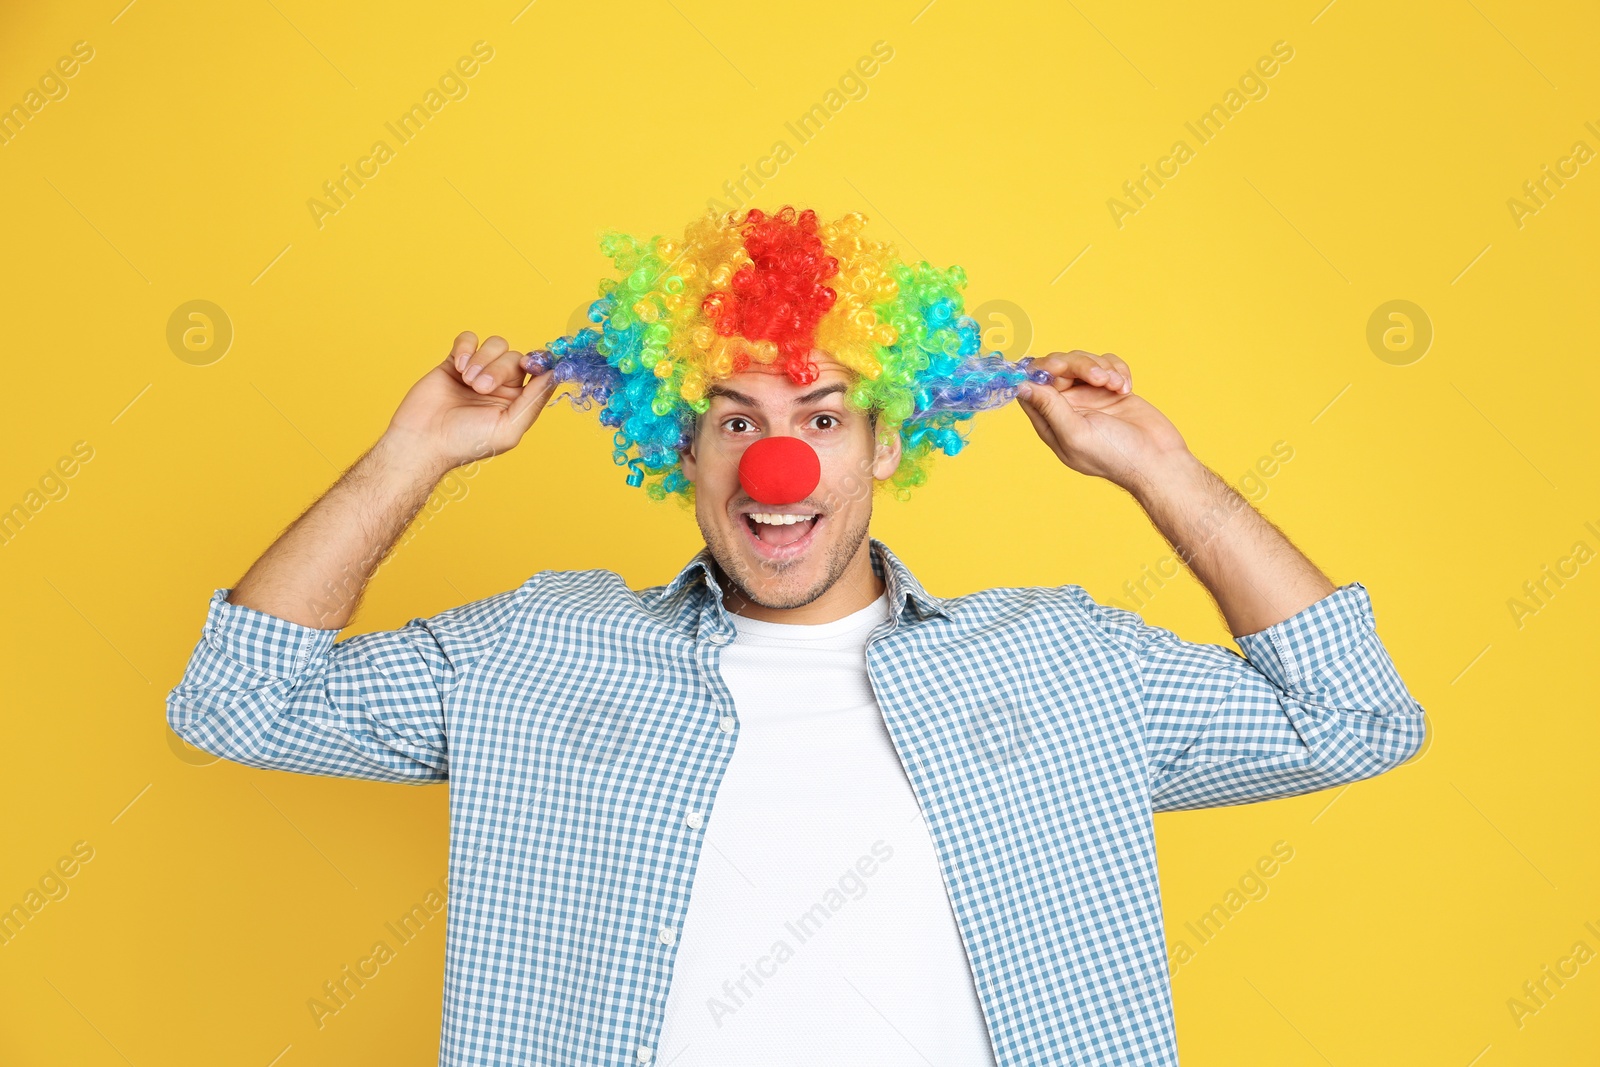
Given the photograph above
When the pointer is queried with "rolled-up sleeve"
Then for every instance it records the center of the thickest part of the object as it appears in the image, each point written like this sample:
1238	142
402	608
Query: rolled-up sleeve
1314	702
266	692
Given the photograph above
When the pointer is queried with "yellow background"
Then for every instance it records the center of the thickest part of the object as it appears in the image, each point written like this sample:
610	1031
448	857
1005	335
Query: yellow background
1378	167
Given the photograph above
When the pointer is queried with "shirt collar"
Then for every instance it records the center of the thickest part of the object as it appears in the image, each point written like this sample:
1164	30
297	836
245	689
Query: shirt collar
902	584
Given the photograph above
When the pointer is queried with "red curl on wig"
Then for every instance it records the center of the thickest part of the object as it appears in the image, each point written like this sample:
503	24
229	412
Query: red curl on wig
779	296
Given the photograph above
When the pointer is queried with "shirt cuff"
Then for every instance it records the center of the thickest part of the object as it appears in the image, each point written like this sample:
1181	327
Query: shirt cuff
1290	651
260	641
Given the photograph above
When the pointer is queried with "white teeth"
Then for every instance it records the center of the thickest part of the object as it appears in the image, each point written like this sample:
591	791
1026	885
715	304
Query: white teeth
772	519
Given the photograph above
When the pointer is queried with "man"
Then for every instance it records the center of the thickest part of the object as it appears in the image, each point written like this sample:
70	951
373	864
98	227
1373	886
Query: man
790	807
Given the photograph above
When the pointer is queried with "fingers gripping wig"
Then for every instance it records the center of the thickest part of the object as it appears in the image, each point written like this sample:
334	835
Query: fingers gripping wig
758	288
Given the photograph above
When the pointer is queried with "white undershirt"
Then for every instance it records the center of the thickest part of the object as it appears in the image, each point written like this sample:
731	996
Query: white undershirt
876	974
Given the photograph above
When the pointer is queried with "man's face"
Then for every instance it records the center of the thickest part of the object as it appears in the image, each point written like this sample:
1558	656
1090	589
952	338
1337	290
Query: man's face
762	402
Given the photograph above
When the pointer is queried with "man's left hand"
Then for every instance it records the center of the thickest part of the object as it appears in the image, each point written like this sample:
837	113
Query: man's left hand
1093	422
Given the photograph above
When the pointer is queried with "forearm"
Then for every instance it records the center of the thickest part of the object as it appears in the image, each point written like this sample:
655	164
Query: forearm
317	569
1257	577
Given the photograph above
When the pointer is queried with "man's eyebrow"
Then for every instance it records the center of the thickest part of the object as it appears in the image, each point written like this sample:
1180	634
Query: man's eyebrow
809	398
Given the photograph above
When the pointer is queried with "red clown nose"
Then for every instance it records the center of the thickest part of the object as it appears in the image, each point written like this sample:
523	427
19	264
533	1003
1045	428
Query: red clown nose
779	470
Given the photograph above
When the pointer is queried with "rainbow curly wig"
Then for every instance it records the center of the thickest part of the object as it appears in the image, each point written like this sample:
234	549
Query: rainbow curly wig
753	287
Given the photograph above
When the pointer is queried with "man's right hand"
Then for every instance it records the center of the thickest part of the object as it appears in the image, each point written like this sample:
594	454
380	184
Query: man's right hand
471	406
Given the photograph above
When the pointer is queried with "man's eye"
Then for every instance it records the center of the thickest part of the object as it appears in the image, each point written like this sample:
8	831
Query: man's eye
736	423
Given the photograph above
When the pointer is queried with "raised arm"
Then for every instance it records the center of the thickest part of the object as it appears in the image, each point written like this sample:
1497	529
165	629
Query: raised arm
1314	702
268	686
471	406
1098	426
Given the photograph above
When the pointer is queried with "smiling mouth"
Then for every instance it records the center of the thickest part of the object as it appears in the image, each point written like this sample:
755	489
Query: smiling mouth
780	542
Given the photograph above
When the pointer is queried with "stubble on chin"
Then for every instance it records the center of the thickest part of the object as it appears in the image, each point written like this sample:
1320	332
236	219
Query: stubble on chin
734	572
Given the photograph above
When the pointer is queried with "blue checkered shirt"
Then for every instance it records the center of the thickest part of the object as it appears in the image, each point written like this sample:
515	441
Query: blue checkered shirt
580	722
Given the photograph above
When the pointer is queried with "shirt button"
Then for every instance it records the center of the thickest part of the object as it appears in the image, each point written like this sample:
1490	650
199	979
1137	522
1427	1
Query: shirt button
727	724
644	1054
668	935
694	819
